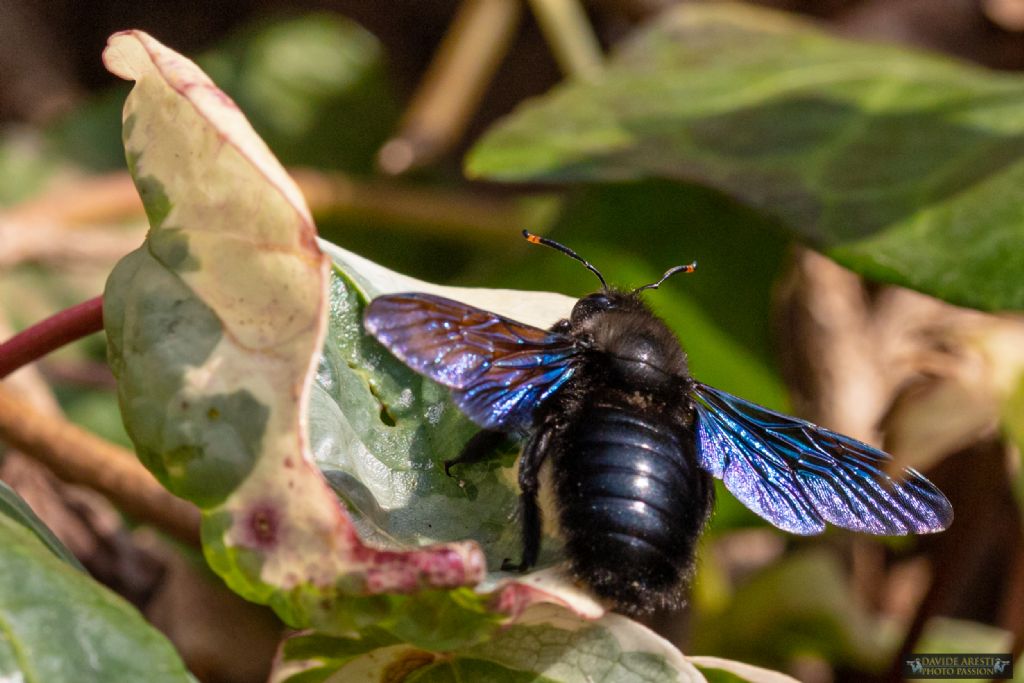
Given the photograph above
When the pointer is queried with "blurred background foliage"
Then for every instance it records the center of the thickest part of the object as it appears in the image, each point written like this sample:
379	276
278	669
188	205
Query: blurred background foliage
374	106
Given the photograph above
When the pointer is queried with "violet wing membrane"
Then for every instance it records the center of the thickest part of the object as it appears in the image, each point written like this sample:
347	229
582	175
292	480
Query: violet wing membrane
799	476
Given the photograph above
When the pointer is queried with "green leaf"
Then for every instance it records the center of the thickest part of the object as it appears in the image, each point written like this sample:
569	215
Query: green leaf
902	166
545	646
57	624
379	431
316	88
717	670
215	327
13	506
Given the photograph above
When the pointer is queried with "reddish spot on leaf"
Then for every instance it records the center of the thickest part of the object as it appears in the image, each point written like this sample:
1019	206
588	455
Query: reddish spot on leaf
262	525
404	572
513	599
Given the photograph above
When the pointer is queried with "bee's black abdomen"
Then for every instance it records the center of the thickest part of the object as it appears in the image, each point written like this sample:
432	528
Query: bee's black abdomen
632	503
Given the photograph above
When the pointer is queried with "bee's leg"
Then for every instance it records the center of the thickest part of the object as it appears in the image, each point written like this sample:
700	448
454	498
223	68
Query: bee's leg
529	482
483	445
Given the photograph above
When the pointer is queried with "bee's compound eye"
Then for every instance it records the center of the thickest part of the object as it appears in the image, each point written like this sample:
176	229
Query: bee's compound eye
590	304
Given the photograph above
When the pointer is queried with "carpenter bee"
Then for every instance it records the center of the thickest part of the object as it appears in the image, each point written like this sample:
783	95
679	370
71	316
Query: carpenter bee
604	399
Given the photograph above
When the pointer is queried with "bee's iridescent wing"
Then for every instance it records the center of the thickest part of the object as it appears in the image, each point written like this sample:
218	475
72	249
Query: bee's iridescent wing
499	370
799	476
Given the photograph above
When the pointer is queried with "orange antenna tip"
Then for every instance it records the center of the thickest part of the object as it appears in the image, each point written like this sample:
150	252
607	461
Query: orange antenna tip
688	268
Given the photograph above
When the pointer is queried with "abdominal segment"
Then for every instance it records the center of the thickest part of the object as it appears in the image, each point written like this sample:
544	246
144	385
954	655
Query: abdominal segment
632	503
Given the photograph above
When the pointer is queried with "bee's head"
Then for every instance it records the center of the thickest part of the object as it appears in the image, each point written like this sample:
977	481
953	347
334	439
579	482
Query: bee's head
606	299
639	347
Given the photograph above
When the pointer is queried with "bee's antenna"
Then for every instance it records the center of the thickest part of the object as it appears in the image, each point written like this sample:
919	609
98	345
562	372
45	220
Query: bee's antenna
537	239
689	268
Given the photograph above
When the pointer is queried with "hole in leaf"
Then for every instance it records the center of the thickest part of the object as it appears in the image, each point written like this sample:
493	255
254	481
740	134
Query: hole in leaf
385	413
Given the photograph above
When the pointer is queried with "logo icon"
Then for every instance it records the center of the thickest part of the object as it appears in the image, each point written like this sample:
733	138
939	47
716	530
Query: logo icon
958	666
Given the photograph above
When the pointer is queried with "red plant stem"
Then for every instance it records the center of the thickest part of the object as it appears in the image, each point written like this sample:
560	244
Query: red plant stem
59	329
